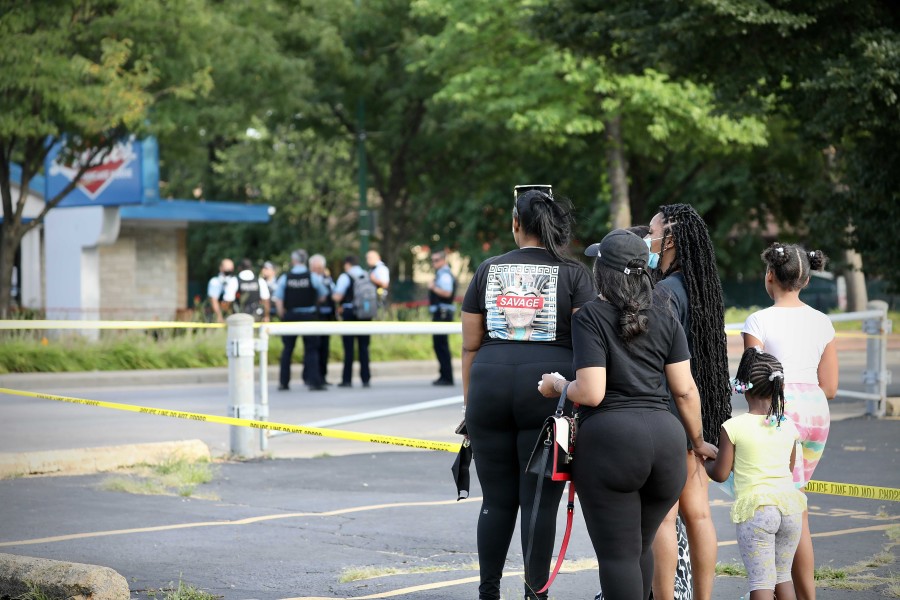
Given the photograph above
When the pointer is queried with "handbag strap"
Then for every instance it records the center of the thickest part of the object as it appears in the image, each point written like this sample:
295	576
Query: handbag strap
536	506
562	400
570	513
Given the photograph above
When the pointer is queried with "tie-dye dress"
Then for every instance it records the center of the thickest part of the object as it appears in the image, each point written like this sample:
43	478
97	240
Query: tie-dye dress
797	337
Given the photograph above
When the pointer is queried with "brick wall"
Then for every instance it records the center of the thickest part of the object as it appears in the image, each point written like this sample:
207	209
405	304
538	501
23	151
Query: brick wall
143	275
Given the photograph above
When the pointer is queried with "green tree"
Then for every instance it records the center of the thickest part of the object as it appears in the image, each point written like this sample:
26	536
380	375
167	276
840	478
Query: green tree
503	65
832	67
86	73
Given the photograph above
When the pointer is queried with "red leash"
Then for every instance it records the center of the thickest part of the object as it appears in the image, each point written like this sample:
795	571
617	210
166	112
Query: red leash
570	512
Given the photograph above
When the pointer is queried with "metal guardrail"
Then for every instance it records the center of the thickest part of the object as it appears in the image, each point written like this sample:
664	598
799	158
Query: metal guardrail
242	346
875	325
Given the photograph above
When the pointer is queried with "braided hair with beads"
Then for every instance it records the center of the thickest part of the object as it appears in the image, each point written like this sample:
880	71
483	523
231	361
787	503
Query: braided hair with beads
763	374
696	259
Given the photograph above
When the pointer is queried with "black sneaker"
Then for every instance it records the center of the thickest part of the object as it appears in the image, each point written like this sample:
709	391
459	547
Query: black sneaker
284	388
345	384
442	382
318	388
365	384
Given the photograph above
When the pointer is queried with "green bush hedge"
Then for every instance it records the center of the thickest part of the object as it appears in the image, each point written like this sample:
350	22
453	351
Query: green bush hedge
34	352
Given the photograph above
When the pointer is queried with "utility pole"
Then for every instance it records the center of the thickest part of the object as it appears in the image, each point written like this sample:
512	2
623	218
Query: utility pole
364	221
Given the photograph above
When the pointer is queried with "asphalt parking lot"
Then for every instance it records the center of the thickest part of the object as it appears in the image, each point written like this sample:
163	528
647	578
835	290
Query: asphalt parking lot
373	523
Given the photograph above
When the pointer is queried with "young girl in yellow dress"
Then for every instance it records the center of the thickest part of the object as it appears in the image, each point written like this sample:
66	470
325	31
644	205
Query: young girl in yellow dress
760	447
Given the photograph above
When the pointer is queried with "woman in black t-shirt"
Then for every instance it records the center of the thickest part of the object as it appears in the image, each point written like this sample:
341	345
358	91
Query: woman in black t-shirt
516	320
629	467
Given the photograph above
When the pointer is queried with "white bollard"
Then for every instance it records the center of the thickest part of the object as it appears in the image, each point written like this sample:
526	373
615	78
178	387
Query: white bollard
240	353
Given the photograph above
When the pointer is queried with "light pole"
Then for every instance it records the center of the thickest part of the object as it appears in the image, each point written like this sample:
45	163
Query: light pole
364	221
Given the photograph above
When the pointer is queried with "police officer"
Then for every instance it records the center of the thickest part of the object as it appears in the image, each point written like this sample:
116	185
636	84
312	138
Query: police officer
297	296
343	297
440	305
222	289
326	311
380	276
252	293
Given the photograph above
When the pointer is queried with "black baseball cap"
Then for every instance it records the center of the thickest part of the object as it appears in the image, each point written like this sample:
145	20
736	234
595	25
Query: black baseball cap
619	248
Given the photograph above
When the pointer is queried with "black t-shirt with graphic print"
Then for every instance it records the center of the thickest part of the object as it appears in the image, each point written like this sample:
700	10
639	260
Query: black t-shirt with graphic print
527	295
635	372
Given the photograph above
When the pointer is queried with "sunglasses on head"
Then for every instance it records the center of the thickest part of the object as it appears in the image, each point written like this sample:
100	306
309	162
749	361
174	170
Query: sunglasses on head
521	189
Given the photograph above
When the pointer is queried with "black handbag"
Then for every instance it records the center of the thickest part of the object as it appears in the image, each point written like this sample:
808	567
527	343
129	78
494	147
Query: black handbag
552	459
555	447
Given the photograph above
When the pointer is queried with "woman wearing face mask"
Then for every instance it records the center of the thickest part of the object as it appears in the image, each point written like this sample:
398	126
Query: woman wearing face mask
683	256
516	321
628	469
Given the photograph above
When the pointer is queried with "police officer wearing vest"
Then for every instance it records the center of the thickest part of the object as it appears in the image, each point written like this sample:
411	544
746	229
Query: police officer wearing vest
440	305
317	264
252	293
297	297
343	296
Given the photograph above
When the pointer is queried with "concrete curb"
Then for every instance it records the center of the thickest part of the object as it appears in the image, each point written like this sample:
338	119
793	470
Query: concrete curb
83	461
57	579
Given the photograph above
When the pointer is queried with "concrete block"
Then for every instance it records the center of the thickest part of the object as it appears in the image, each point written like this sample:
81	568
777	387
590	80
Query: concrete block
892	407
82	461
57	579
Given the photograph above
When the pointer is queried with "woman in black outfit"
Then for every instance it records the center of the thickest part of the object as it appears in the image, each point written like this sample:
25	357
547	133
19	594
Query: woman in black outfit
629	456
516	320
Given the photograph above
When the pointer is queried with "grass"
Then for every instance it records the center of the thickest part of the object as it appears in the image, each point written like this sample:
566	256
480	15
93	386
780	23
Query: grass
33	351
732	569
739	315
34	593
173	477
182	592
859	576
27	352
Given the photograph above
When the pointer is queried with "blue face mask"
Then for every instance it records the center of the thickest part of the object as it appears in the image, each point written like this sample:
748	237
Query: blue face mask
653	261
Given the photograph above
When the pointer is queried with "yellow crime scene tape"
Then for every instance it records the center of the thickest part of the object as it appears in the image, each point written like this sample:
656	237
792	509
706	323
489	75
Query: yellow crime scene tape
854	491
316	431
816	487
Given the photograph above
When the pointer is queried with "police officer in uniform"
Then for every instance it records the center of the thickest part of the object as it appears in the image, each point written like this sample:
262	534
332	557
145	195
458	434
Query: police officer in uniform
440	305
343	296
221	290
297	297
317	264
252	293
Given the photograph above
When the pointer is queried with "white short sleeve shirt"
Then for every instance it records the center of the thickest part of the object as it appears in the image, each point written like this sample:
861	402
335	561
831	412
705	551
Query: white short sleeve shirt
796	336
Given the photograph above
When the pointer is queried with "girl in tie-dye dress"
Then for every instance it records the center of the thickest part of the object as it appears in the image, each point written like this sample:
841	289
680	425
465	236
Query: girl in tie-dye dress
802	338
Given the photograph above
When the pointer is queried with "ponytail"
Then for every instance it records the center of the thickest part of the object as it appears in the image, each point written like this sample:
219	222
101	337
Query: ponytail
550	220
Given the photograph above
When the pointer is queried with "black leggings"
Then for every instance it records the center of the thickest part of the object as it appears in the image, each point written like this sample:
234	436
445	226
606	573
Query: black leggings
629	470
504	416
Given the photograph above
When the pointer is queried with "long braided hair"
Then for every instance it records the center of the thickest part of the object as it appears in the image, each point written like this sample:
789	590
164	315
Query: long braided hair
695	258
762	376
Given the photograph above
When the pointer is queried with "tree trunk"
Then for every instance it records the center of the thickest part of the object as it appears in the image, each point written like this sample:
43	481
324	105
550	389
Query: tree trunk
9	242
619	206
857	297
